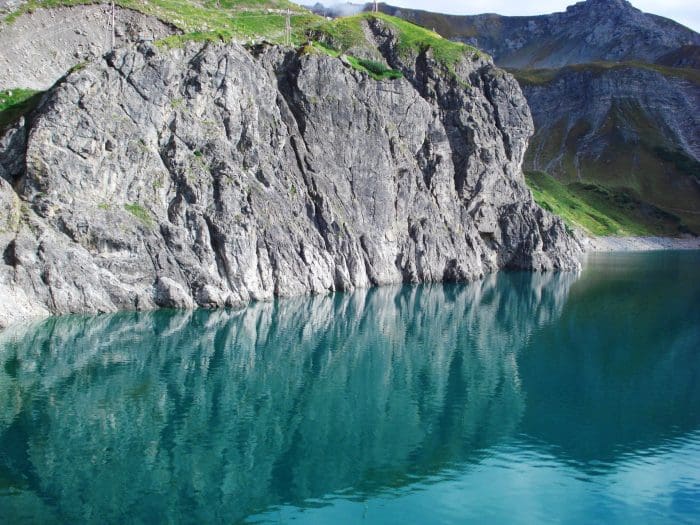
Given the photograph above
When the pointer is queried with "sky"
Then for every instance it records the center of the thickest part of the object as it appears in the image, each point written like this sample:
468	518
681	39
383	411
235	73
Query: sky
687	12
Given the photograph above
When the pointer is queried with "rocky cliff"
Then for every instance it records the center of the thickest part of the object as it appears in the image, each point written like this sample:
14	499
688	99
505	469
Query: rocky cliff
213	175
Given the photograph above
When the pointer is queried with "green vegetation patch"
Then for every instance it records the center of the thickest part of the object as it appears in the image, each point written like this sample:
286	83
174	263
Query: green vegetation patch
600	210
343	34
17	102
556	198
208	20
376	70
414	39
140	213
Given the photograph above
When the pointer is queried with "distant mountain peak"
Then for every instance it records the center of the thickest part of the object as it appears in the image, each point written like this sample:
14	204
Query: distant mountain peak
620	4
602	6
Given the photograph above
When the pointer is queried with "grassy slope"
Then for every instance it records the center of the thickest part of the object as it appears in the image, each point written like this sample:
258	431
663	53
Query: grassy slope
599	210
15	103
246	20
648	167
265	19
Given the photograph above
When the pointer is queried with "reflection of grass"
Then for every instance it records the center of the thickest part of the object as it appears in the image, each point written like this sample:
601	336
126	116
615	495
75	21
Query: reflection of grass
15	103
600	210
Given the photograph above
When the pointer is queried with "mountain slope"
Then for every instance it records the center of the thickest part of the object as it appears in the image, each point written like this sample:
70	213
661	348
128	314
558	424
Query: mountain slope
589	31
614	94
630	128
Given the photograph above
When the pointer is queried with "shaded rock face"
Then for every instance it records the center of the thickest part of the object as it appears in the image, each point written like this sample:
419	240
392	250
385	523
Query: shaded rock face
594	30
670	102
213	176
628	127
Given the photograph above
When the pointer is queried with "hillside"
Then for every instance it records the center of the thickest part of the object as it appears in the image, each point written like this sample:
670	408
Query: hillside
637	129
614	94
589	31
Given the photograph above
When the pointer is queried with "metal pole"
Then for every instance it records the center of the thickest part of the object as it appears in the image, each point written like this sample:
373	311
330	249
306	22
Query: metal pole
288	29
112	24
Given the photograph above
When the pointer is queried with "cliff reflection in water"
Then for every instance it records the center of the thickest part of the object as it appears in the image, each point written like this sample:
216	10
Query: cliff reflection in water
230	412
224	414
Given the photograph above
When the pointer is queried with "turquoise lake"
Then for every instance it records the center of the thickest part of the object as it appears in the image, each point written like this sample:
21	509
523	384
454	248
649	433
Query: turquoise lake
523	398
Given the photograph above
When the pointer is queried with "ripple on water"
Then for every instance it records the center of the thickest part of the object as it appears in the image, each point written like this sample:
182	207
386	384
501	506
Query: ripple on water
520	398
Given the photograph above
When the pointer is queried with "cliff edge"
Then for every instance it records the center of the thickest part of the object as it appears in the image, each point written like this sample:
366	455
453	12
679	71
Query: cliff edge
214	174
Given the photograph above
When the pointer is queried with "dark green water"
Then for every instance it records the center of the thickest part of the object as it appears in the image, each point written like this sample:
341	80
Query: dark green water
523	398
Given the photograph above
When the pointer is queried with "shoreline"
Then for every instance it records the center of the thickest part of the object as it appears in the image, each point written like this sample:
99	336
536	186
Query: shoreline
639	244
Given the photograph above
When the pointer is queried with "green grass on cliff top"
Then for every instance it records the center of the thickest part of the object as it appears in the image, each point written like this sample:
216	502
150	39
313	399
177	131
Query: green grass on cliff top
246	20
15	103
346	33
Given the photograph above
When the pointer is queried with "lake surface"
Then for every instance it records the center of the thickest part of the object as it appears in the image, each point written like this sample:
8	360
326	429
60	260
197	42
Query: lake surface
523	398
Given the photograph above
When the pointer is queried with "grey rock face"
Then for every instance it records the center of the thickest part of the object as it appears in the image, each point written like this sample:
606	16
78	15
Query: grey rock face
576	95
212	176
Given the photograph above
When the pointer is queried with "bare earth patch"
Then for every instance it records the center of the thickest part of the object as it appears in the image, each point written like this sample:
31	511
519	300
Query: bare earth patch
40	47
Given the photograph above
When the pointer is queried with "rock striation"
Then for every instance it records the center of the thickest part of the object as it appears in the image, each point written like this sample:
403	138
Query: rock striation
214	175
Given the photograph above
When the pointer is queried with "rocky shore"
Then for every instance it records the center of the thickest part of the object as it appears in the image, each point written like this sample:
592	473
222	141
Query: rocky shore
640	244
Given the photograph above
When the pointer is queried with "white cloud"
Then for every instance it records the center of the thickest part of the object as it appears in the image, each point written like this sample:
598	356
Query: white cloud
686	12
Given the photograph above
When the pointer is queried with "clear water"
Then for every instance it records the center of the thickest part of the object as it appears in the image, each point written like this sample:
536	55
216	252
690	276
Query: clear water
520	399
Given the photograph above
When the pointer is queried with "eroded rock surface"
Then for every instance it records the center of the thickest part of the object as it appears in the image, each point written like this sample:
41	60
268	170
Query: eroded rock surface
212	176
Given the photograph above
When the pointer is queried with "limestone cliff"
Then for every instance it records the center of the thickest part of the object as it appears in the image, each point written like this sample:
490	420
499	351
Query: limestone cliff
214	175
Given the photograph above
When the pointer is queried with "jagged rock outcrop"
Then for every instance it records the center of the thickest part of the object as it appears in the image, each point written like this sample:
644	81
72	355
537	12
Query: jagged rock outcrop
212	176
